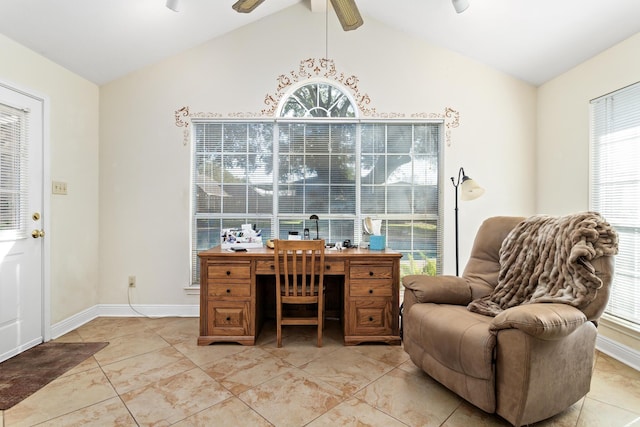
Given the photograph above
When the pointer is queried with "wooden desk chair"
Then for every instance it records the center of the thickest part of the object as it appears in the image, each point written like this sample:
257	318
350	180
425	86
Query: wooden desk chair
299	266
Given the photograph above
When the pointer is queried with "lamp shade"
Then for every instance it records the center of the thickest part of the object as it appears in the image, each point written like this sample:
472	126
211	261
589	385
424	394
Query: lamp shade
460	5
469	189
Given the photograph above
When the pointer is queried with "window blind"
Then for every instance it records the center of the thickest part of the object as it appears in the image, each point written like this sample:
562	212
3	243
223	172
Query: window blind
615	190
232	182
14	199
316	168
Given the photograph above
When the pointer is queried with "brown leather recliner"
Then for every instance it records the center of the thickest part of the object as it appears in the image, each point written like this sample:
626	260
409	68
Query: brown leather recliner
526	364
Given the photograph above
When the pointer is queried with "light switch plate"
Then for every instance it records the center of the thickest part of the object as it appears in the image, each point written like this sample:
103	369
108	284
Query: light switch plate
59	187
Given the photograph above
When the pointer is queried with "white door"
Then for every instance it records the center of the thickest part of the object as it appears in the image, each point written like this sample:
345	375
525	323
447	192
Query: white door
21	222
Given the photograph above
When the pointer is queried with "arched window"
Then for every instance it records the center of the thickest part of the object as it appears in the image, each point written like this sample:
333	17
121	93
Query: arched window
318	99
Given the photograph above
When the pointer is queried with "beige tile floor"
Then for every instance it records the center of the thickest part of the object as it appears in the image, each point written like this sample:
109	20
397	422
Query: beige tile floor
153	374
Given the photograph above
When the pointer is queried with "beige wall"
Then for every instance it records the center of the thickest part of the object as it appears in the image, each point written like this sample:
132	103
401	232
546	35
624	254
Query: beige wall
73	233
563	125
563	136
145	168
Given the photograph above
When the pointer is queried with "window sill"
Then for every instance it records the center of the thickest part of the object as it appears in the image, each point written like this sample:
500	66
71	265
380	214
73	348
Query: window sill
621	325
192	290
620	331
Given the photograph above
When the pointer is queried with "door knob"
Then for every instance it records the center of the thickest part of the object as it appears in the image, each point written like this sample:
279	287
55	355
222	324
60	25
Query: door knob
37	233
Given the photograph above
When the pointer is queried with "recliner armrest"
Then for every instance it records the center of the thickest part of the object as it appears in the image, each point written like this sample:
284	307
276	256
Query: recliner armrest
548	321
439	289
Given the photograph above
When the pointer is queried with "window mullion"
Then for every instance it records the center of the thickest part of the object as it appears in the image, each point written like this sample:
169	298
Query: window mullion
357	228
275	225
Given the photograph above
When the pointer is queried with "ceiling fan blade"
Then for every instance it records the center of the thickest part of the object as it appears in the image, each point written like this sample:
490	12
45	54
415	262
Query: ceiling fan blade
346	10
348	14
246	6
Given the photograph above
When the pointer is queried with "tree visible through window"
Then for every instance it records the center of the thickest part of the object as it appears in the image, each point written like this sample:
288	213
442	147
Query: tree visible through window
318	158
318	100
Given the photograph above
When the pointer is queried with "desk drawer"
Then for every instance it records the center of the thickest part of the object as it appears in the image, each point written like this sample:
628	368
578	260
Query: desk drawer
230	271
371	288
370	316
371	271
266	267
229	289
228	318
334	267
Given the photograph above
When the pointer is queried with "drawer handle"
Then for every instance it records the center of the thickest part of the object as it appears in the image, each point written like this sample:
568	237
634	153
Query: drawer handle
371	273
370	319
370	291
228	273
327	267
228	319
273	267
228	291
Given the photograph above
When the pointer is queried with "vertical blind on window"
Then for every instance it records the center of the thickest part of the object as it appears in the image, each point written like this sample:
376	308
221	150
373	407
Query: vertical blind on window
13	172
615	190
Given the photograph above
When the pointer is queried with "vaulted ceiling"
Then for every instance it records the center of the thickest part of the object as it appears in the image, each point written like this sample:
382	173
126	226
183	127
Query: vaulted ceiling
533	40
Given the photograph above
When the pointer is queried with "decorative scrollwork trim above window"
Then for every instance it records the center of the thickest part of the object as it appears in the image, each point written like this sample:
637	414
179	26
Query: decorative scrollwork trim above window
308	70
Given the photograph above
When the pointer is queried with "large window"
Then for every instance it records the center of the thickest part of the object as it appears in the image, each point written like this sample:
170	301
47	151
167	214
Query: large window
615	190
317	158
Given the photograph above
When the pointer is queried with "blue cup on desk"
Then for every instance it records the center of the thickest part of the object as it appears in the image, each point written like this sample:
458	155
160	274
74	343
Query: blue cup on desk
377	243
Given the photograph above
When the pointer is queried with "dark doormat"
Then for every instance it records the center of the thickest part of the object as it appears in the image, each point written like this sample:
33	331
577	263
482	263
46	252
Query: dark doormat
27	372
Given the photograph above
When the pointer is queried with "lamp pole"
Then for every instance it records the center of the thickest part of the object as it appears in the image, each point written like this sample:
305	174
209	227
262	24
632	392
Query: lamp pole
470	190
455	186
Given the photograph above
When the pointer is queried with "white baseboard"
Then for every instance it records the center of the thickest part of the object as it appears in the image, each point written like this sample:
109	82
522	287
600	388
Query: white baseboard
618	351
122	310
74	322
149	310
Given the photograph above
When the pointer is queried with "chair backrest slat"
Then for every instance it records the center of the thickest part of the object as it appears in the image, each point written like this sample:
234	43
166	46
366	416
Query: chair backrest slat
301	264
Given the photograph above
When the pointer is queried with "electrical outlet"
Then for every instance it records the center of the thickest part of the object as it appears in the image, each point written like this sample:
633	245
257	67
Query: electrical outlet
59	187
132	281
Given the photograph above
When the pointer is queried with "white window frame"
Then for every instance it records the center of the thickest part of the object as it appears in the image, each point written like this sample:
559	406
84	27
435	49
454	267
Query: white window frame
615	193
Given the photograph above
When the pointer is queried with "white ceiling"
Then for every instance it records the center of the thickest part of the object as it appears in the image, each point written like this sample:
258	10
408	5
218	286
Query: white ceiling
534	40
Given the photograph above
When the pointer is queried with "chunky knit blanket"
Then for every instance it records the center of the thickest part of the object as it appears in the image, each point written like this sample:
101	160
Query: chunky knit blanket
548	259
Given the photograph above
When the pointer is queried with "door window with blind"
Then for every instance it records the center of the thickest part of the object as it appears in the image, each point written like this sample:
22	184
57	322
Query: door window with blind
13	173
615	191
317	158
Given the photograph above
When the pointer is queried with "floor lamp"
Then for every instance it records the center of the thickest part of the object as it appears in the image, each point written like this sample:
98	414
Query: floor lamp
469	190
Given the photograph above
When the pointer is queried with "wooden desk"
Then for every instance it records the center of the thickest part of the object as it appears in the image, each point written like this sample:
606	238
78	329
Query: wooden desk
233	284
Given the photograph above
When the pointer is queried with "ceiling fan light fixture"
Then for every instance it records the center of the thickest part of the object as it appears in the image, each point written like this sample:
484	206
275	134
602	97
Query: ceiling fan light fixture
246	6
173	5
460	5
348	14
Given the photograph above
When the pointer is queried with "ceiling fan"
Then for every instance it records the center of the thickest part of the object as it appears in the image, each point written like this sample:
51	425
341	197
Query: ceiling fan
346	10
